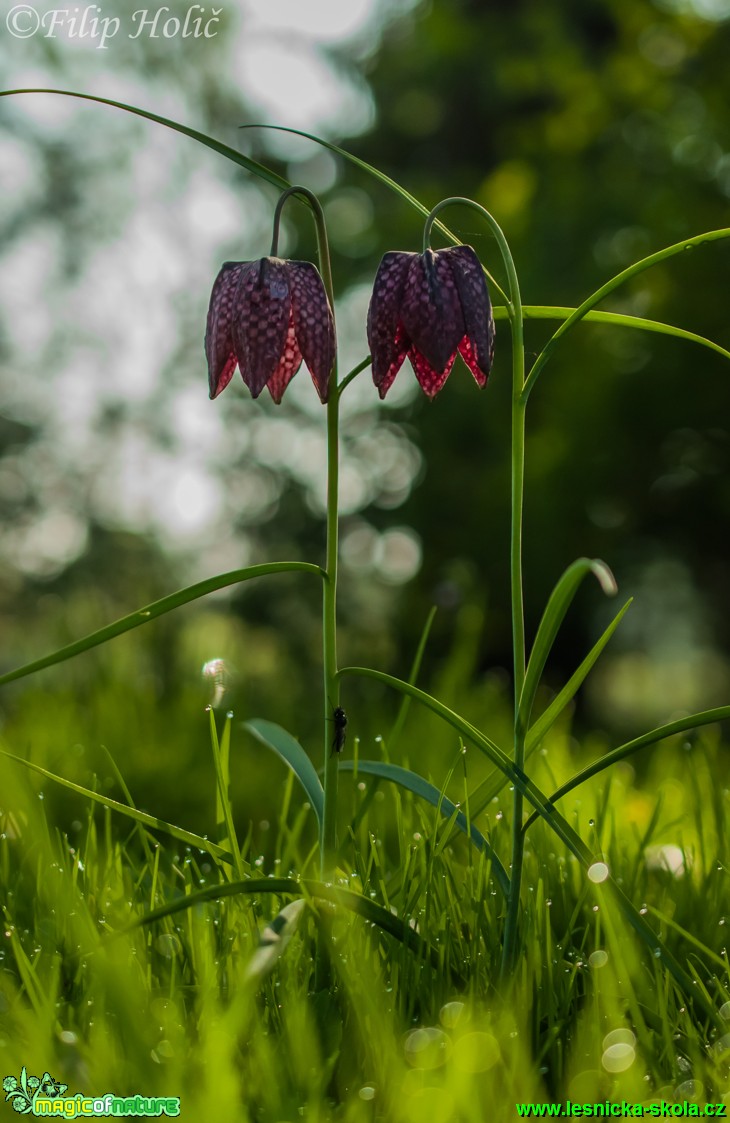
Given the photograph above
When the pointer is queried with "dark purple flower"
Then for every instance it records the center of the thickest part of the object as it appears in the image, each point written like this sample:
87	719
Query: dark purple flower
429	306
266	316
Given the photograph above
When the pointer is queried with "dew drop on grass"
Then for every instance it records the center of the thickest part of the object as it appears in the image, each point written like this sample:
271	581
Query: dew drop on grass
618	1057
367	1092
598	958
725	1011
598	872
690	1090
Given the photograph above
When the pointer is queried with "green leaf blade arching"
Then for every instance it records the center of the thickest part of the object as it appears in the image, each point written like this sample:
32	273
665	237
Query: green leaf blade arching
544	723
157	608
416	784
225	150
556	608
291	752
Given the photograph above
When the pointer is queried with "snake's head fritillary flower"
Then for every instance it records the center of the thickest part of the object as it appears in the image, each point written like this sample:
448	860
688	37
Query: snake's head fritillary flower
429	306
266	316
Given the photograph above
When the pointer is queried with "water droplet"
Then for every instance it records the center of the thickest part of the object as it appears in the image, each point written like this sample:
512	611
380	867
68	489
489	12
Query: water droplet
598	872
367	1092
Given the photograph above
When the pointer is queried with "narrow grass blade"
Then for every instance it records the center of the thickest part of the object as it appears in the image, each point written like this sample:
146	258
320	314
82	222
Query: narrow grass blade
224	815
130	801
292	753
412	782
490	788
158	608
382	178
222	149
369	910
539	728
557	606
412	676
693	721
605	290
273	941
151	821
614	319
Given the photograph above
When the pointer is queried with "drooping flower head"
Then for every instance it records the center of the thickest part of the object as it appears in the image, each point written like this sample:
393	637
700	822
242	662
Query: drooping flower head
427	307
266	316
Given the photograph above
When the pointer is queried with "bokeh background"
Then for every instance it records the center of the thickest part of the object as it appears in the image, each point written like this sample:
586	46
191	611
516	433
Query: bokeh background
596	133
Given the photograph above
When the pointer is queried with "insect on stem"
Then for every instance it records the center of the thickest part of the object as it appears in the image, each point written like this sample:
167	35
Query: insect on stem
339	718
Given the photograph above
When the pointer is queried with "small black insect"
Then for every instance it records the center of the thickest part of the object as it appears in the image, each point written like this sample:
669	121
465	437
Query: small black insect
339	718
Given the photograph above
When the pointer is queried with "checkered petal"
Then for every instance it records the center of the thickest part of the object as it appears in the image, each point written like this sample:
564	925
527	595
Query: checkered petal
387	338
477	348
313	324
261	323
430	380
431	309
219	349
289	363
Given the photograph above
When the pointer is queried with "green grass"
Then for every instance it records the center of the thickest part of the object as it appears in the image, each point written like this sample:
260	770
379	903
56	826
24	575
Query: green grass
410	1029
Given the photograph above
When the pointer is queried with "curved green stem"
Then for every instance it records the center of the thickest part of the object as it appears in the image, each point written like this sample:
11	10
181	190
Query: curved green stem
361	366
328	831
328	852
516	318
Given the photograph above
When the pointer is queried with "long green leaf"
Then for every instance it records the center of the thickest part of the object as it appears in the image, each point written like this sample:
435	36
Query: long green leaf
557	606
158	608
490	788
412	676
382	178
151	821
539	728
224	813
548	812
292	753
693	721
412	782
491	750
613	319
609	287
372	912
222	149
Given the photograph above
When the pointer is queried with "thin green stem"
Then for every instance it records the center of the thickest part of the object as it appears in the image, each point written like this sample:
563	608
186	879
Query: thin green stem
509	947
361	366
328	831
328	850
514	311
